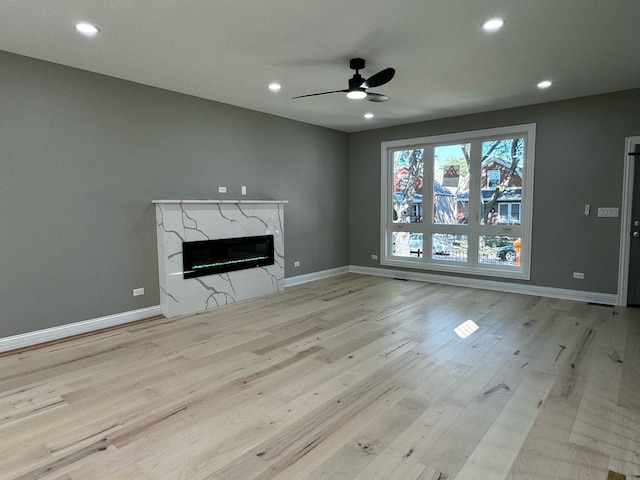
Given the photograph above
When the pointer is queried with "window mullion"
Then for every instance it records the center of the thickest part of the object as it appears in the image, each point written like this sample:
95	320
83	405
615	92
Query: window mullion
427	199
475	170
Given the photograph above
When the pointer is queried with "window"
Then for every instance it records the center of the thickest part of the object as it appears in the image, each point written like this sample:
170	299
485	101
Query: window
481	187
509	213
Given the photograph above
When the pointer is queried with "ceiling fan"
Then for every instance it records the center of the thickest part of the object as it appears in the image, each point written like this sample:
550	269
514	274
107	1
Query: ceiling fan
358	85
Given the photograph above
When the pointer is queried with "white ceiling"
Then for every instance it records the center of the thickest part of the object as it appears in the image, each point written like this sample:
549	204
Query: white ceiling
230	50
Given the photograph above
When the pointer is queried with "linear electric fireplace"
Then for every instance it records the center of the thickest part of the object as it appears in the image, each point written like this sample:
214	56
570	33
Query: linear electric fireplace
184	227
208	257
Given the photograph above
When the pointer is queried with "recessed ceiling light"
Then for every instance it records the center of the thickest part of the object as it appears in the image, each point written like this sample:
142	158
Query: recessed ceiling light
87	29
368	115
493	25
275	87
544	84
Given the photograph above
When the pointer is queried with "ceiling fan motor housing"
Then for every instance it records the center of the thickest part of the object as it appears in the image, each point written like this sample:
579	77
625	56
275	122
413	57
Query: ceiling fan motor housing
356	82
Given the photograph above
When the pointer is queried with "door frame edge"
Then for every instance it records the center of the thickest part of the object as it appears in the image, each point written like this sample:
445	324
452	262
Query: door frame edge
625	219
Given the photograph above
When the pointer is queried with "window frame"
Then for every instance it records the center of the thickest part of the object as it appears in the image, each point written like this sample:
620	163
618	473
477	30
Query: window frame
474	229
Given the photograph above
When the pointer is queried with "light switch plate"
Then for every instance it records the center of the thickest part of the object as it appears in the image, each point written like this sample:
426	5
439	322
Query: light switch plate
607	211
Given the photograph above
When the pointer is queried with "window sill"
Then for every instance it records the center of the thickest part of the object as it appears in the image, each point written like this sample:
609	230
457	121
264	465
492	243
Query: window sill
519	273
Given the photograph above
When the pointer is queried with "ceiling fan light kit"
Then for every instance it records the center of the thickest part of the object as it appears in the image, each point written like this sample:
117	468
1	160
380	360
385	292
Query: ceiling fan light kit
357	94
358	85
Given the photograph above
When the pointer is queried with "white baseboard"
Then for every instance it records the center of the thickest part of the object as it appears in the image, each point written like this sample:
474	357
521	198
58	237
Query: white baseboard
310	277
525	289
576	295
56	333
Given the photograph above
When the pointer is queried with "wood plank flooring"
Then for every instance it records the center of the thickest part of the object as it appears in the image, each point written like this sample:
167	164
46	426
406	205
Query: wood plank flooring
352	377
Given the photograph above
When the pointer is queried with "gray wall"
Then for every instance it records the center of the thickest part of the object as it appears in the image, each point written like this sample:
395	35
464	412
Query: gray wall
579	160
81	157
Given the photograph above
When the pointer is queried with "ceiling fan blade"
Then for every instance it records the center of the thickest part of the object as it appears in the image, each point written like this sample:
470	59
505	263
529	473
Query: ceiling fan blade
377	97
321	93
379	78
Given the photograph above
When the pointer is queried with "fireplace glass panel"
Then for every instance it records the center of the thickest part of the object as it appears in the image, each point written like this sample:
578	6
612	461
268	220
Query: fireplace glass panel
208	257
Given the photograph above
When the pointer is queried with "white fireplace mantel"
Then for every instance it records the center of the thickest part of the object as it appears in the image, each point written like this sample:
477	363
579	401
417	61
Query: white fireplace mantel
179	221
204	201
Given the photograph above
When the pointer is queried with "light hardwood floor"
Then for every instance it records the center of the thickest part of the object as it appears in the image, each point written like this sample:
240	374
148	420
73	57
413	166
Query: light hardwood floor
353	377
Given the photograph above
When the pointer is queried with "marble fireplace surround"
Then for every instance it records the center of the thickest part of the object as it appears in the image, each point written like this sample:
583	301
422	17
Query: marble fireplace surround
180	221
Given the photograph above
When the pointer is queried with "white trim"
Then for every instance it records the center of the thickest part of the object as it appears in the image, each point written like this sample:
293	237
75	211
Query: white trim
310	277
551	292
625	220
86	326
456	136
205	201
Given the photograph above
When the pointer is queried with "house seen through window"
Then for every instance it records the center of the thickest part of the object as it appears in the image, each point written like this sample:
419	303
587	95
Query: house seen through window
459	202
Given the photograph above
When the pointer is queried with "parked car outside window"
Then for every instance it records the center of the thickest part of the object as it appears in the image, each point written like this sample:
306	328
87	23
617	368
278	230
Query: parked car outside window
507	253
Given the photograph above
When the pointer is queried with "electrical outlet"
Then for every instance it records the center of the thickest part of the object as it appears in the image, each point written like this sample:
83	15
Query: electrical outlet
138	291
374	257
243	190
296	263
222	189
578	275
